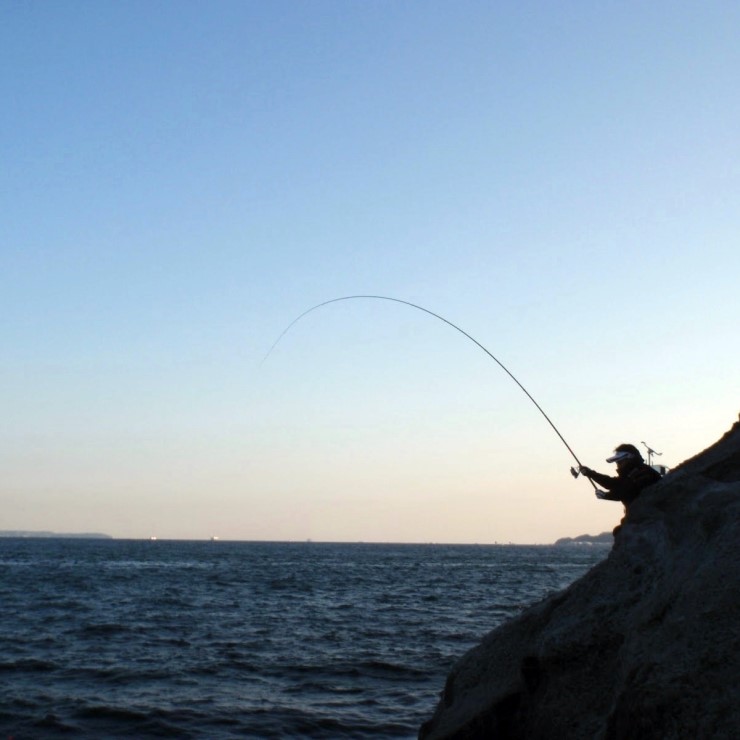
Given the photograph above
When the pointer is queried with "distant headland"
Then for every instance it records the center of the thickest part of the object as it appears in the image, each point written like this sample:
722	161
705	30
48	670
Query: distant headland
605	538
66	535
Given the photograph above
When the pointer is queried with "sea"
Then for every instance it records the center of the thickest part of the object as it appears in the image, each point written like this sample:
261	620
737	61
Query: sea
148	639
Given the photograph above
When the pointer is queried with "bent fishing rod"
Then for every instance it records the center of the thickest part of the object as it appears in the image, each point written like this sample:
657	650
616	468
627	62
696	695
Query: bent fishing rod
574	471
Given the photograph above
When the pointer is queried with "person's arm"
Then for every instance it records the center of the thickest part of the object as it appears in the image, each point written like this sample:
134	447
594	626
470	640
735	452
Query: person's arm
605	481
627	488
612	485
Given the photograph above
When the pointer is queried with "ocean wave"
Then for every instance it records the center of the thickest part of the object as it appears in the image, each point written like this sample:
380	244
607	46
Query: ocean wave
29	665
253	640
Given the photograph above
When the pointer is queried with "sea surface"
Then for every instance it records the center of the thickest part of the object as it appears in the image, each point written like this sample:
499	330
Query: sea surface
139	639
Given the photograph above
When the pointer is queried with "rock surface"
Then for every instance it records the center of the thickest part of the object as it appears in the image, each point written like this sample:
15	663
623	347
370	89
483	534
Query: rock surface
646	645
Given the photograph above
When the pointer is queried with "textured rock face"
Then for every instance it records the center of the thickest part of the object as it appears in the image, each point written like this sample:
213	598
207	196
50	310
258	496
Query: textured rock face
645	645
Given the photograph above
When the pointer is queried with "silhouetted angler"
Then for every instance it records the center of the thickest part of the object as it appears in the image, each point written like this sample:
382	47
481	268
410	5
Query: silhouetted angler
633	475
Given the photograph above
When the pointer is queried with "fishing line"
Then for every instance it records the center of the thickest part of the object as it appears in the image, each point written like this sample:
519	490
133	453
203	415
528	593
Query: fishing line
449	323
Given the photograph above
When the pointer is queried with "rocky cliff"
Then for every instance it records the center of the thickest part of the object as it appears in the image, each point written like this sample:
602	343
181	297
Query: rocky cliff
644	646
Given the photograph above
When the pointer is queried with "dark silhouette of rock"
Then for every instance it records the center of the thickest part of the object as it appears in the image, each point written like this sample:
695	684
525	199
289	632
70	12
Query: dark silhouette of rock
645	646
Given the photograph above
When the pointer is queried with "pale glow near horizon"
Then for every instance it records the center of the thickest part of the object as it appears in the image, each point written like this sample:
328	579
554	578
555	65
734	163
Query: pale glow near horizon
177	188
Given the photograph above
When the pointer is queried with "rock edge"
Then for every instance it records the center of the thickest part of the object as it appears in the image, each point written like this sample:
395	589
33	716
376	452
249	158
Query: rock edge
644	646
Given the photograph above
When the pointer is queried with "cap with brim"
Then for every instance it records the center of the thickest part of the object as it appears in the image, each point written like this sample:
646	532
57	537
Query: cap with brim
617	456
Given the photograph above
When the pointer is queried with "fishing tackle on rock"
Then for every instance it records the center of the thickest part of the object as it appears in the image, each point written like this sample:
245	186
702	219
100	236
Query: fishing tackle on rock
574	471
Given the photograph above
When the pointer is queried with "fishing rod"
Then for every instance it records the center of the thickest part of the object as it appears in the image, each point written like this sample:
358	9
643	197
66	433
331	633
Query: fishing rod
574	471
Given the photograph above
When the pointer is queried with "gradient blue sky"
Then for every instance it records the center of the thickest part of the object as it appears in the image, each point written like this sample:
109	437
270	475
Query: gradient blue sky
179	180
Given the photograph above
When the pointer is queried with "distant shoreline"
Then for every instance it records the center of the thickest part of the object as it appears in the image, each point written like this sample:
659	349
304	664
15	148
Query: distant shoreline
605	538
22	534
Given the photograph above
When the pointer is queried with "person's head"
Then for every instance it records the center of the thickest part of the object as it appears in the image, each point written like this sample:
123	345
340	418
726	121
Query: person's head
626	457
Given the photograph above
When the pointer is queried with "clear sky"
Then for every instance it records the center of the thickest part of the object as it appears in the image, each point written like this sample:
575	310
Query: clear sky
180	180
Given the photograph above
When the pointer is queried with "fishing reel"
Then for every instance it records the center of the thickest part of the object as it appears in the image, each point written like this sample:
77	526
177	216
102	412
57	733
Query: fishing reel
575	473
